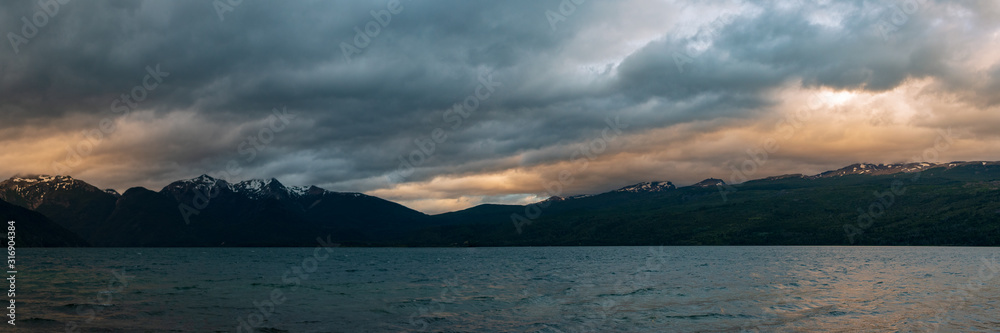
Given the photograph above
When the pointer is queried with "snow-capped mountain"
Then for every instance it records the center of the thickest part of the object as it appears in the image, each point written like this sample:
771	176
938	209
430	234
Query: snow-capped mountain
259	189
647	187
711	182
888	169
854	169
875	169
30	191
201	184
69	202
207	211
255	189
554	198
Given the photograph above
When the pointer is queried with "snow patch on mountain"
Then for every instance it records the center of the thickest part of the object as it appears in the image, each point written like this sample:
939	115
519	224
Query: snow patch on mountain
298	191
646	187
53	182
31	190
711	182
253	188
258	188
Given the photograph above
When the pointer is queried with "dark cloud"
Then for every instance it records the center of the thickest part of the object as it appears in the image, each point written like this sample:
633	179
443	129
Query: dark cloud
355	118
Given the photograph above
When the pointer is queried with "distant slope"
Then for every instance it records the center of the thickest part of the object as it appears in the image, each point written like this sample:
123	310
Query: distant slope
69	202
33	229
266	213
205	211
146	218
943	204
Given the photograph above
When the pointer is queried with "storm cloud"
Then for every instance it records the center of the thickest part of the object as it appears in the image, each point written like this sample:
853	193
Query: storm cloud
442	105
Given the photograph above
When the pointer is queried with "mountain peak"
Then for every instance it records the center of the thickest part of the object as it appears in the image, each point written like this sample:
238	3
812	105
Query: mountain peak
787	176
306	190
54	182
645	187
203	179
252	188
37	178
259	188
179	188
876	169
31	191
710	183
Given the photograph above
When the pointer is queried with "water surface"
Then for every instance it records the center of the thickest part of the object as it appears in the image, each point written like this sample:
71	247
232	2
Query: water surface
566	289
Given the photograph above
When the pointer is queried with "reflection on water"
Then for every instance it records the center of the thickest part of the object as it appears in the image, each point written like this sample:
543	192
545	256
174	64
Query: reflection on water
692	289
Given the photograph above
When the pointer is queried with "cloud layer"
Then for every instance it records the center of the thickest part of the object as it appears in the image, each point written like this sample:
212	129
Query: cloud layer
694	86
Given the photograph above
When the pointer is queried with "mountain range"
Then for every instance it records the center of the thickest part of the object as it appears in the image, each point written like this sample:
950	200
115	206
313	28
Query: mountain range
954	203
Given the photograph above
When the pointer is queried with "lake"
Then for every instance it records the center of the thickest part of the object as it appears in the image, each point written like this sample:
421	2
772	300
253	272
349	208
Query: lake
558	289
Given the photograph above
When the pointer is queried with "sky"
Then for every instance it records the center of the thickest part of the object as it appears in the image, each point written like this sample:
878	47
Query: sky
444	105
